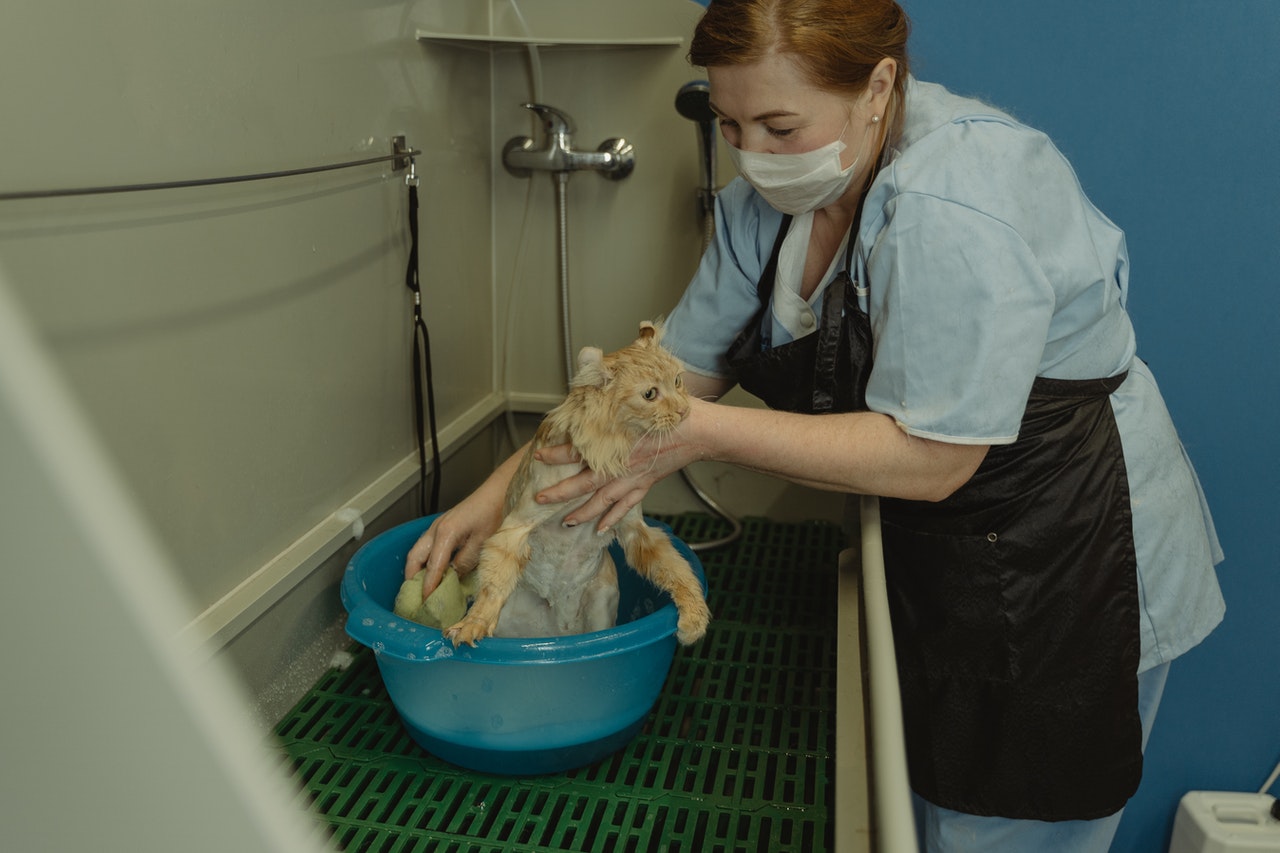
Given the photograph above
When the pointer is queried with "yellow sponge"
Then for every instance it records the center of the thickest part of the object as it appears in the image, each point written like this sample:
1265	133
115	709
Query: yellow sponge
443	607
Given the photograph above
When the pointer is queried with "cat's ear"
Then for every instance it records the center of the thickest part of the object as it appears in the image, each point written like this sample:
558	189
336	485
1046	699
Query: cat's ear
650	331
591	368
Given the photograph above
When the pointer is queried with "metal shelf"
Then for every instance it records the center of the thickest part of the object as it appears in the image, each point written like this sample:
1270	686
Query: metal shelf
494	42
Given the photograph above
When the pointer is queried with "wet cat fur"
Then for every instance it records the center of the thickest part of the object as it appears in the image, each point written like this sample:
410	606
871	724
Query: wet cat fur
538	578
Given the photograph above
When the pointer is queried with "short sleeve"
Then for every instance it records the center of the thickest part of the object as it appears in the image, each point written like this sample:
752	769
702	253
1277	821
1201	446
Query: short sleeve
721	299
960	311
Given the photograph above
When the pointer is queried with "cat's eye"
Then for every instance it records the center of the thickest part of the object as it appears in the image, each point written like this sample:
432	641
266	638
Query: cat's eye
651	394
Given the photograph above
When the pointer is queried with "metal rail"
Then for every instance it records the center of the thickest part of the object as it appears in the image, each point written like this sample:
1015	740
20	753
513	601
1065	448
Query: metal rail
875	811
400	155
894	827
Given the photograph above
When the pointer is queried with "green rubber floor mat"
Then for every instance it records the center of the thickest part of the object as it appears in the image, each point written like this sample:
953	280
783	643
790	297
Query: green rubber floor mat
737	754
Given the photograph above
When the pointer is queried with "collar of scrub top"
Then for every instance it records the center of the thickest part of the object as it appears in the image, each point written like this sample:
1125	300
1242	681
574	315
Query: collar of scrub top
797	316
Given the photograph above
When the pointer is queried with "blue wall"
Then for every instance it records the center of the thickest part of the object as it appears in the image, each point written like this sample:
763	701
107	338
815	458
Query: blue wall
1170	112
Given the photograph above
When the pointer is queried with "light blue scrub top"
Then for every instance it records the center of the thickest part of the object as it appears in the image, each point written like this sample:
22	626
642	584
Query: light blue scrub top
987	267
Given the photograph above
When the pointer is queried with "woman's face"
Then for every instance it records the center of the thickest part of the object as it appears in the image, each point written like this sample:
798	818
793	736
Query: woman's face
769	107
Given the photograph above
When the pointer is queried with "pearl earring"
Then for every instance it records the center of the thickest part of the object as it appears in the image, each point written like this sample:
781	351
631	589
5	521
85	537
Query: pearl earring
875	119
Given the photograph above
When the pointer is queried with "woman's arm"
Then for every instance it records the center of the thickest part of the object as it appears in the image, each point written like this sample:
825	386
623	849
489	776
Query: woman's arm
457	535
859	452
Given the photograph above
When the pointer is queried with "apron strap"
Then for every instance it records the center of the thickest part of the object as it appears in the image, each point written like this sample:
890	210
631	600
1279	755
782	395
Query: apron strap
764	285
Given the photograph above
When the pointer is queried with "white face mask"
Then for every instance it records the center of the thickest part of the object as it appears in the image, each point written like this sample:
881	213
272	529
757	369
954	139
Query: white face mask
797	183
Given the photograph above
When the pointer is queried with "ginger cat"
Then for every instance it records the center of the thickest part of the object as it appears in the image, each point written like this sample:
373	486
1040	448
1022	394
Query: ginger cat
537	578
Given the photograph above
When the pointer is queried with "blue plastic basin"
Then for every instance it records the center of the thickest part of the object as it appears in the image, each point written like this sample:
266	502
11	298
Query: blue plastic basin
514	706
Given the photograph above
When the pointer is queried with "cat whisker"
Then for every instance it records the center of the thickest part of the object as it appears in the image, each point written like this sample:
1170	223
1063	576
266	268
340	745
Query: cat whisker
659	435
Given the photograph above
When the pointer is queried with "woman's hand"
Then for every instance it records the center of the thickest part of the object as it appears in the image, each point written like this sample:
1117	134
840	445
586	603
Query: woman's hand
457	536
612	500
454	539
652	459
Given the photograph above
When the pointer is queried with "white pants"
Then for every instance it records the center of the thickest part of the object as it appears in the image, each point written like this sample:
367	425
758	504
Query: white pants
944	831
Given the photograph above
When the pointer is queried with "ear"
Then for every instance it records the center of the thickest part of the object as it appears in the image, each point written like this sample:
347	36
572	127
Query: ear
591	368
650	331
880	85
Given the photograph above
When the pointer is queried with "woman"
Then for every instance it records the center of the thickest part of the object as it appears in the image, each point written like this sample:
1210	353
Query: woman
917	286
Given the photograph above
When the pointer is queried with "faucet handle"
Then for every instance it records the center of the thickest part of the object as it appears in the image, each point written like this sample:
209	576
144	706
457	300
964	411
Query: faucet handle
554	122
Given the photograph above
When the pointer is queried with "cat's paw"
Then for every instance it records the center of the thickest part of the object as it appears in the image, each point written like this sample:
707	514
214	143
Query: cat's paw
693	622
468	631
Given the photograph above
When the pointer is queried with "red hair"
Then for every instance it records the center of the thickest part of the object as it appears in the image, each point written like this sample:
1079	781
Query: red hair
836	43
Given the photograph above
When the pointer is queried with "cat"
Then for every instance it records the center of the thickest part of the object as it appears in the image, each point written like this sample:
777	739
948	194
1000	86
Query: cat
538	578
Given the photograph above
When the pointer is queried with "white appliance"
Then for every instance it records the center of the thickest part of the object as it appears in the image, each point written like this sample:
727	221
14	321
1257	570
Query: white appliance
1225	822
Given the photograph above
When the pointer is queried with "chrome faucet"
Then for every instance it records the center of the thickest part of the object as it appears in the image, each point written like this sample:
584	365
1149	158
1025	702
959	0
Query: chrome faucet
614	158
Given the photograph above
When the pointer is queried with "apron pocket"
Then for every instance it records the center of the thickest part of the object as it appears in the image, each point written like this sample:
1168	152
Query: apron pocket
948	596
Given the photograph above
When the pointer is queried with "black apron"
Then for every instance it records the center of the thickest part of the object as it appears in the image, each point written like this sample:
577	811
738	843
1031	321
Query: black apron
1014	601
